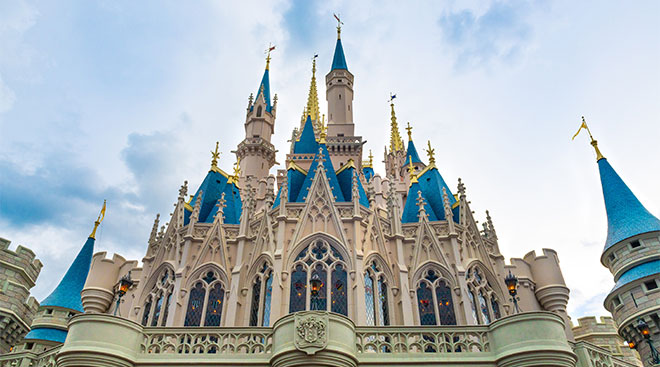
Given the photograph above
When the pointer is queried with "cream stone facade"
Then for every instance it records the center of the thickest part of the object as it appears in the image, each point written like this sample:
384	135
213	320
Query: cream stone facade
328	263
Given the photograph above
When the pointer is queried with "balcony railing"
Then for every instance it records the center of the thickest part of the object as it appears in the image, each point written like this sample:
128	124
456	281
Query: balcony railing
207	341
471	339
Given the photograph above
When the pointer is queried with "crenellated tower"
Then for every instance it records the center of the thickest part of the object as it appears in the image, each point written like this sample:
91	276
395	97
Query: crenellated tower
256	153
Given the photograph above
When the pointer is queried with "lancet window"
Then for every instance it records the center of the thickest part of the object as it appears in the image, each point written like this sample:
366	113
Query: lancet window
262	292
434	300
319	280
377	305
483	299
157	303
206	301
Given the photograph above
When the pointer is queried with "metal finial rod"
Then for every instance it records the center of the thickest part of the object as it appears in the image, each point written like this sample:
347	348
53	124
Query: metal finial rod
215	155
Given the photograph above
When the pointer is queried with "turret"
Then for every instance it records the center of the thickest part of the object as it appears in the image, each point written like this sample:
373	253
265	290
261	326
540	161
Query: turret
339	93
255	152
632	254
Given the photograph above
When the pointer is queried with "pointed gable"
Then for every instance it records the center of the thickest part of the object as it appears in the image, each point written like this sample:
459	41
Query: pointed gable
411	154
339	60
626	216
307	143
295	179
345	178
67	292
330	174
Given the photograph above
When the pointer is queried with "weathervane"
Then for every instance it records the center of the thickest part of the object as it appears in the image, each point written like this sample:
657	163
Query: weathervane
392	96
339	24
270	48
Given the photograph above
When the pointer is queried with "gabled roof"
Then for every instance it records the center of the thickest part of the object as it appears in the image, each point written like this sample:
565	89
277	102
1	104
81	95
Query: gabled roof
295	179
216	183
411	210
67	293
411	153
265	83
329	172
339	60
626	216
307	143
345	177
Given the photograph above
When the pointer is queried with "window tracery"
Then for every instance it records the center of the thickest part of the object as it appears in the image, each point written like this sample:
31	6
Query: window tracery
377	305
482	296
157	302
435	301
205	310
321	260
262	290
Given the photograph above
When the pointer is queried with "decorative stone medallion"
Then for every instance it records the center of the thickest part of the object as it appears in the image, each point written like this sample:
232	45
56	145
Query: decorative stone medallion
311	331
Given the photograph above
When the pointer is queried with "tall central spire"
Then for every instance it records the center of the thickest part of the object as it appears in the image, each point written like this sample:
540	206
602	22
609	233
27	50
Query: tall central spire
396	143
313	98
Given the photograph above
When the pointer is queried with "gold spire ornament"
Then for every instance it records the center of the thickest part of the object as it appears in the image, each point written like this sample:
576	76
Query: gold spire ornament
409	129
323	133
270	48
339	24
594	142
396	143
313	98
431	153
237	172
98	221
215	155
370	162
411	171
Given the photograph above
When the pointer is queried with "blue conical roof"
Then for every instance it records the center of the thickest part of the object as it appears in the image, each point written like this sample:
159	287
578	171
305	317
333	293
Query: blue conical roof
307	143
214	185
626	216
345	179
411	153
265	82
329	173
411	210
339	60
67	293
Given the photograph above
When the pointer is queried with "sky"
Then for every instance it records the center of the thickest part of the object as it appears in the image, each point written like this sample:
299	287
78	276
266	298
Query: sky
123	101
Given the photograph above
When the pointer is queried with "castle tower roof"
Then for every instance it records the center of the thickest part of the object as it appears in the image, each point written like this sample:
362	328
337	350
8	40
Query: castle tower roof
264	87
339	60
626	216
345	177
313	97
411	152
329	172
396	143
307	143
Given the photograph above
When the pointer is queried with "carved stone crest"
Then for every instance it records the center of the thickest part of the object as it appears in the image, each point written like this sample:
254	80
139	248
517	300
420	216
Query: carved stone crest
311	331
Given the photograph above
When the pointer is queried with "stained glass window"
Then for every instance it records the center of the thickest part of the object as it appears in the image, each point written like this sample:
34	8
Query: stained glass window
445	304
159	304
496	307
147	311
474	307
166	310
425	303
319	301
297	301
214	306
195	305
383	314
256	298
484	308
267	299
338	291
369	297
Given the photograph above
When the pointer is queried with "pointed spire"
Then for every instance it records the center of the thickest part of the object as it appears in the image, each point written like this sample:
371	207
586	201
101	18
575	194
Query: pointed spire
594	142
411	151
98	221
194	217
322	135
411	171
154	230
409	130
313	97
421	212
220	214
396	143
431	153
339	60
264	87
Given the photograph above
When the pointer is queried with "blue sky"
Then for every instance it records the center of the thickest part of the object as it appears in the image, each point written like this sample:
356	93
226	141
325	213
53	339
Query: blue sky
123	101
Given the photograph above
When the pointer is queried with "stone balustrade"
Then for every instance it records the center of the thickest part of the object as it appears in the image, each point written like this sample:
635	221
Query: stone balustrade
314	338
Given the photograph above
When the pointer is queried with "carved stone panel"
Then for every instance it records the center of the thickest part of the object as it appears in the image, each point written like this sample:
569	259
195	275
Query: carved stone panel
311	331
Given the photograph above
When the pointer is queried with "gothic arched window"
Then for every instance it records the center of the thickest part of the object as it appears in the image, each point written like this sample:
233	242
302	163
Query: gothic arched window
482	296
435	303
199	304
155	313
377	306
262	290
321	260
259	111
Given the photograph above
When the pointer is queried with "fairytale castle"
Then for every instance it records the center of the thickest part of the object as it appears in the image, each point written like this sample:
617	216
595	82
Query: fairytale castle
331	263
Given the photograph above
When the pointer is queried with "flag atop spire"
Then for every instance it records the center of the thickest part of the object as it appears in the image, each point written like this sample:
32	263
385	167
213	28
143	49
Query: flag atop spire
313	98
339	60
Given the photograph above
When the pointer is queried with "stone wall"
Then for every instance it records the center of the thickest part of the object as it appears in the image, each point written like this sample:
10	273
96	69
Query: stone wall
604	335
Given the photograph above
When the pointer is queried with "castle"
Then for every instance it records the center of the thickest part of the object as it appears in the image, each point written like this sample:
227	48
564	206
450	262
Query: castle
331	263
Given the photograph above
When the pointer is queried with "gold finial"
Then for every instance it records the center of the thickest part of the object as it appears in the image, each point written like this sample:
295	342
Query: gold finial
98	221
411	171
270	48
215	155
237	167
594	143
339	24
371	158
430	151
322	133
396	143
409	129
